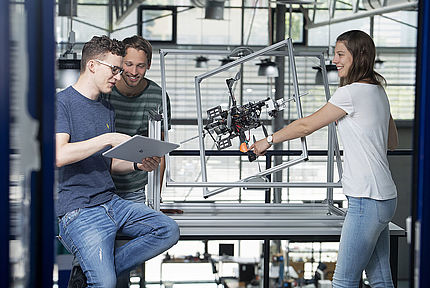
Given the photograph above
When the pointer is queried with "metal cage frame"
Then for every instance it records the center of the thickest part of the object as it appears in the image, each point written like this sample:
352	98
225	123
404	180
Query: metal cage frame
273	50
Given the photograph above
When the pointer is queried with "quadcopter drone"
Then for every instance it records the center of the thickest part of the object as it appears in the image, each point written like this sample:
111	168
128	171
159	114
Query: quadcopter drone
224	125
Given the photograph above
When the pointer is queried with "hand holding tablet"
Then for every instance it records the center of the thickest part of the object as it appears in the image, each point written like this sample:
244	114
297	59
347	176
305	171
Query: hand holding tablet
140	147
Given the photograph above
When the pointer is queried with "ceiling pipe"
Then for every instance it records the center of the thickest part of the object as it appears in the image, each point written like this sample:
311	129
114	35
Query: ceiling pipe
358	15
373	4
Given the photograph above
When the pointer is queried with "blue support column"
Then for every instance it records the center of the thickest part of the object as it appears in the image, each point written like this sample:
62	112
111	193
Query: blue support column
48	142
421	198
41	105
4	144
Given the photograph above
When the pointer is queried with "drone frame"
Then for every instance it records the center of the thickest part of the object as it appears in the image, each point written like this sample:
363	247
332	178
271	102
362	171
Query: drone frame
273	50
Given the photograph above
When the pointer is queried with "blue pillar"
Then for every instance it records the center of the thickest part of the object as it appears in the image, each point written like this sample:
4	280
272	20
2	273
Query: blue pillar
421	195
41	106
4	143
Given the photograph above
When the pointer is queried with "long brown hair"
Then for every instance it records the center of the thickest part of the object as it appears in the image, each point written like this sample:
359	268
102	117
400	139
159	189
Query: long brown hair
363	52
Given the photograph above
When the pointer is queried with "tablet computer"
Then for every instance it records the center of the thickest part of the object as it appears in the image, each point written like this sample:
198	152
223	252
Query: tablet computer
139	147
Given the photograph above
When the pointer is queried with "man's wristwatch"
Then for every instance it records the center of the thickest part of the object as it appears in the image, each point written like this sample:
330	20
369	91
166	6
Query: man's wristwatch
269	139
135	167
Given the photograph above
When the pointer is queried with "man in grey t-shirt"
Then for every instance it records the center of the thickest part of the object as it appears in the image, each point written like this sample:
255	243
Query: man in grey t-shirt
90	214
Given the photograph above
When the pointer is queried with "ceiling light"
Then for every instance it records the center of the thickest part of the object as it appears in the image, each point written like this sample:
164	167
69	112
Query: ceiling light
67	8
226	60
214	9
379	64
69	64
332	75
202	62
67	73
267	68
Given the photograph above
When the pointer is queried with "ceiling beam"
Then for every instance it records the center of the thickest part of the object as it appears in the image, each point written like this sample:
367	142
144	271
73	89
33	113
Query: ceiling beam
123	8
358	15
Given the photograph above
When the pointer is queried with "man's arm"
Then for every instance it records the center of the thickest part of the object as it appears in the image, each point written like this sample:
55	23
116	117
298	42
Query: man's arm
68	153
301	127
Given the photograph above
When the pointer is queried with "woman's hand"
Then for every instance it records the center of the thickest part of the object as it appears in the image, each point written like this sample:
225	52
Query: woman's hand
260	147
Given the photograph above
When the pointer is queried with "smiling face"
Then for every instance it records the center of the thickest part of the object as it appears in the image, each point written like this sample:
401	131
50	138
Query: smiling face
342	59
135	67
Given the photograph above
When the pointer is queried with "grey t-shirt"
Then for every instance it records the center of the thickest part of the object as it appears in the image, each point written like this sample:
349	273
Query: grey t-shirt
88	182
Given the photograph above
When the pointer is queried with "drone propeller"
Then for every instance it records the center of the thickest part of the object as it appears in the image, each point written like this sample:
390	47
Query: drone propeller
232	100
231	85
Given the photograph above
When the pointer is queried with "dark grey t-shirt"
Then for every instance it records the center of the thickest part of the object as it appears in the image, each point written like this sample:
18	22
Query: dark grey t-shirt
87	182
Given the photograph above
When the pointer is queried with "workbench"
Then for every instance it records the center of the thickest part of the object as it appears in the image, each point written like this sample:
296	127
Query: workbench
267	221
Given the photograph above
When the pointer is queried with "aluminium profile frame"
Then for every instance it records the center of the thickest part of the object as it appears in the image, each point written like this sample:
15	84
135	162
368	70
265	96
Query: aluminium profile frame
270	50
154	183
198	79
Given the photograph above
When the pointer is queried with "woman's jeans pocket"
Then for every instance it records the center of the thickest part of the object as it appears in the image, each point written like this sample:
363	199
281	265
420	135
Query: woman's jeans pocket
386	210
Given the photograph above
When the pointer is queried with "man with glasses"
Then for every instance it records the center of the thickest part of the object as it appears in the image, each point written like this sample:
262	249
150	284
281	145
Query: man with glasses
90	213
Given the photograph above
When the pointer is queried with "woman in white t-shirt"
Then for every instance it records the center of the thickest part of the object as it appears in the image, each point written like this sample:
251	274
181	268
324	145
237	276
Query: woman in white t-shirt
362	111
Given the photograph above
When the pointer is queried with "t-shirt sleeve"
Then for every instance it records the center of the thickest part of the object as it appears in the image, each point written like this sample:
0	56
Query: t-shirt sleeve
342	99
62	123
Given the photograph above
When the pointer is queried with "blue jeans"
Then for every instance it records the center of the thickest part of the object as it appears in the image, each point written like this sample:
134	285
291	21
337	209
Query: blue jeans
89	234
365	243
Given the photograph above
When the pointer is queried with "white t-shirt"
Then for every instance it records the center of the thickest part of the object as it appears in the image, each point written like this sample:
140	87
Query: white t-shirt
364	134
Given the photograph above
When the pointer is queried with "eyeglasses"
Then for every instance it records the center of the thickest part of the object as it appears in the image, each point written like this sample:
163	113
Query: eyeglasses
115	69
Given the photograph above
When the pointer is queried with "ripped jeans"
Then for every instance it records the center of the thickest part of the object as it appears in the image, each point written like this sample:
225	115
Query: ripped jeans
89	234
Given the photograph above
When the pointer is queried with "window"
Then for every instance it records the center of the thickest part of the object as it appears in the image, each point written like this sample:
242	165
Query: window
91	20
398	29
298	32
157	24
